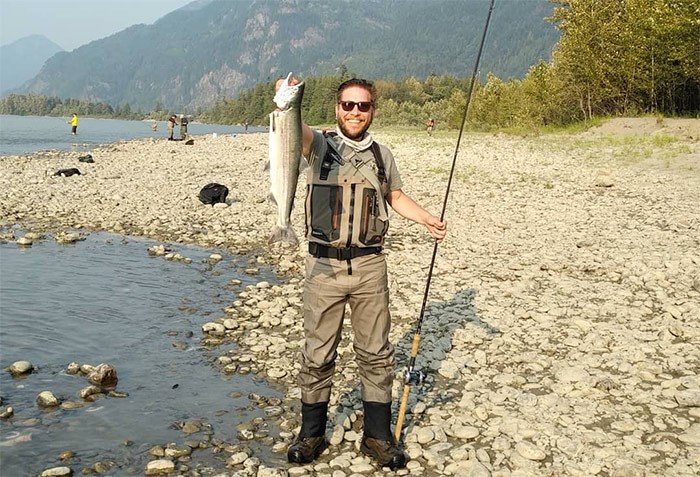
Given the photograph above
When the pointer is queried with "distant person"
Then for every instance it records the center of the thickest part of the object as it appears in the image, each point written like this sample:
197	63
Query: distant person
429	125
172	121
74	124
154	126
245	125
183	127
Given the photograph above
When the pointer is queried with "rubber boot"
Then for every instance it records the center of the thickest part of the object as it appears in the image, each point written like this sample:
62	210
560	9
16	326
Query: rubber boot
311	441
378	442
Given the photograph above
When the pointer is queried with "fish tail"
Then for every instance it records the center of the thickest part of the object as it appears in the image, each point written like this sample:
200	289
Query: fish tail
285	234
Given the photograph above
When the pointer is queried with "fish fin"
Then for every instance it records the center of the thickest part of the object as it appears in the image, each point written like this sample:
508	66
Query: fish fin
286	234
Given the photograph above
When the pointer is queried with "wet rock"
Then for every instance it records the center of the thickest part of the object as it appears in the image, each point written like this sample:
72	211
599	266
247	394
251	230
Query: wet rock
7	413
72	405
68	238
104	376
213	328
24	242
57	472
175	451
104	466
160	467
19	368
88	391
66	455
47	399
191	427
117	394
73	368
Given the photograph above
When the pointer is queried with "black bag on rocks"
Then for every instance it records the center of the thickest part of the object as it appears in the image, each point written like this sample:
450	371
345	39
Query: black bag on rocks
67	172
213	193
86	158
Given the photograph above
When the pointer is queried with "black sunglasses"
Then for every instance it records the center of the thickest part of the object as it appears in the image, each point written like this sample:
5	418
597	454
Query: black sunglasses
362	106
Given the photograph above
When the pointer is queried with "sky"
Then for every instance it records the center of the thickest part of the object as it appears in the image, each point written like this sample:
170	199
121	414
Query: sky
73	23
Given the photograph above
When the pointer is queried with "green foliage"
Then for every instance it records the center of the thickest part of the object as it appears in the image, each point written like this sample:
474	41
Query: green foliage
628	57
33	105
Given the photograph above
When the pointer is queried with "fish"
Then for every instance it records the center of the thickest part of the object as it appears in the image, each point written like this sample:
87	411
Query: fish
285	157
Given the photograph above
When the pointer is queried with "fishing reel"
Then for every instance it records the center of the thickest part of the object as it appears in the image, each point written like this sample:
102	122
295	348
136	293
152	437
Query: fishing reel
412	376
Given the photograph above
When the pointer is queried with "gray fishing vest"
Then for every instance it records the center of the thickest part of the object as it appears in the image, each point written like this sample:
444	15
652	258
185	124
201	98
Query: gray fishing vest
345	204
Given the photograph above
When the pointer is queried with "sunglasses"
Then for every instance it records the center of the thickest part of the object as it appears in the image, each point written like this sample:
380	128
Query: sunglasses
362	106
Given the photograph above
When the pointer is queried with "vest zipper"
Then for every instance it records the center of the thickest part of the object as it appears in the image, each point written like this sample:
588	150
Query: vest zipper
352	214
352	218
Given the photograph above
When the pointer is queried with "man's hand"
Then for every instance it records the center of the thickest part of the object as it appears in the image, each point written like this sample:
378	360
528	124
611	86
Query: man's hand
281	81
436	228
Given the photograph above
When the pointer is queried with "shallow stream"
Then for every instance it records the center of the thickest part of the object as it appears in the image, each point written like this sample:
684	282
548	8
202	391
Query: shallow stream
106	300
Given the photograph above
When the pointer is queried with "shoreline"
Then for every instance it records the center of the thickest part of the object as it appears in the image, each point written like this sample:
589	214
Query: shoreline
562	332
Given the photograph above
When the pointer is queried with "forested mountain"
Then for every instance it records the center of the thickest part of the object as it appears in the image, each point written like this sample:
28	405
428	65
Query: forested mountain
213	49
21	60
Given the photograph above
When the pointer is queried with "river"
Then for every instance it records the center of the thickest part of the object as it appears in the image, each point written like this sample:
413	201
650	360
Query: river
22	135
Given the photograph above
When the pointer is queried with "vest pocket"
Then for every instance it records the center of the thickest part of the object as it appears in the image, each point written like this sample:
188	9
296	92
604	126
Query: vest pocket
372	228
326	212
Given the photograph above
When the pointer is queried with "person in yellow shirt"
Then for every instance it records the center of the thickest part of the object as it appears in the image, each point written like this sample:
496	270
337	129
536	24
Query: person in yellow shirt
74	124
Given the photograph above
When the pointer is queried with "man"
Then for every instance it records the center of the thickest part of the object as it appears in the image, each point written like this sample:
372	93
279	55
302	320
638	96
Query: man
74	124
350	181
429	125
183	127
172	121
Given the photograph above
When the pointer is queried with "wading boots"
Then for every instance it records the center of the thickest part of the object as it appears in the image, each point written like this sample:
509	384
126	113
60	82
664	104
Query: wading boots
311	441
378	442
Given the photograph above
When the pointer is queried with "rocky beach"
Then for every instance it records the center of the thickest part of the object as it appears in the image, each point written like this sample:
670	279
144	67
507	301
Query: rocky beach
562	330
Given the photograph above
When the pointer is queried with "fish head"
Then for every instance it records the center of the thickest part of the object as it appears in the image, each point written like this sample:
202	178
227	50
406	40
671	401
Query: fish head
289	94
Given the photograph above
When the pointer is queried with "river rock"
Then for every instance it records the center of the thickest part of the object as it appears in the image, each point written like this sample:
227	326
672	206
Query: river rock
213	327
104	376
691	435
688	397
57	472
88	391
160	466
47	399
530	451
73	368
19	368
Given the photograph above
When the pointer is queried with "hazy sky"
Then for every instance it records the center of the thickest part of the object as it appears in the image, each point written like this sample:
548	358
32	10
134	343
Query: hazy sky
73	23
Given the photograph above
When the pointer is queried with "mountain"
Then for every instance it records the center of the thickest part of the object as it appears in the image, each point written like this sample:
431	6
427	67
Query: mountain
212	49
21	60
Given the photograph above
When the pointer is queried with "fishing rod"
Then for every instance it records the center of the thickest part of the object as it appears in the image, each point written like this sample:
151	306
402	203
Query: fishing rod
411	376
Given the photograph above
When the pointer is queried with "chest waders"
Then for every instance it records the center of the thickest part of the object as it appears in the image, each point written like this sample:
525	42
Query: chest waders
346	212
411	376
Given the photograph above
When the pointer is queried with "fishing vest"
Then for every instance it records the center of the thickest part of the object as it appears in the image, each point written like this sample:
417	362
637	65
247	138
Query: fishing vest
345	204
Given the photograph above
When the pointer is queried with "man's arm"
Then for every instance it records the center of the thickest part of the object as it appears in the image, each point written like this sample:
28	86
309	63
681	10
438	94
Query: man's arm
410	209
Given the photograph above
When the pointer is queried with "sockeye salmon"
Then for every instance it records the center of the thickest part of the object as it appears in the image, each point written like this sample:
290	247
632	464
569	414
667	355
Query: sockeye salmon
285	157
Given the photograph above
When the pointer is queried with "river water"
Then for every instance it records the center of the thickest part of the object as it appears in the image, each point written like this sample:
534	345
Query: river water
106	300
27	134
